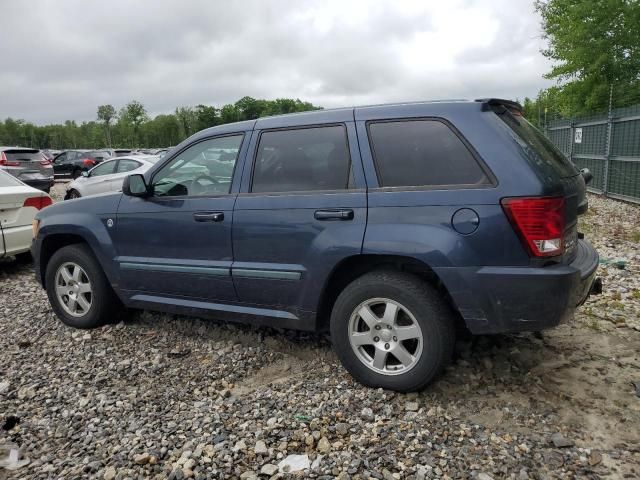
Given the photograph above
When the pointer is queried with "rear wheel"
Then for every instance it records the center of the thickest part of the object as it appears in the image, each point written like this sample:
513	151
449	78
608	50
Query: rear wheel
78	289
392	330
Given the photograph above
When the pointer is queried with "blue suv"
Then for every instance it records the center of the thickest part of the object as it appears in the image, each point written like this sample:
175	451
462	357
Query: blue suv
393	226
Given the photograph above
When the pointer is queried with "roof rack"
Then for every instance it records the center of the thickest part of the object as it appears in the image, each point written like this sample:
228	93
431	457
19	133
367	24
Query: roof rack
499	102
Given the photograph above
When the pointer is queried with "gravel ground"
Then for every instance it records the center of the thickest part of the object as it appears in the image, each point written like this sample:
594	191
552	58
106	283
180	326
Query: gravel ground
160	396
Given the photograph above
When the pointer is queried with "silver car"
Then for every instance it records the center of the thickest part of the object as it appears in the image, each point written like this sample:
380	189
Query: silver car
29	165
108	176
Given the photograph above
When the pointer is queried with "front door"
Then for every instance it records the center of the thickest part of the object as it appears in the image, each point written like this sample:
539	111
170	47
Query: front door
177	242
302	212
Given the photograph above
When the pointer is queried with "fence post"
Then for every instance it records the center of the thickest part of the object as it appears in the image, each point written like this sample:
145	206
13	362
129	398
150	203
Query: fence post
607	154
571	138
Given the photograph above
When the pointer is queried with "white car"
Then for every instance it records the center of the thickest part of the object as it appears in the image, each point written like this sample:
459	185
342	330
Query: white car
108	175
19	204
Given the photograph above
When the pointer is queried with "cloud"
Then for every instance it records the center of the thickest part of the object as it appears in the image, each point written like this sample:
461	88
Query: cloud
60	60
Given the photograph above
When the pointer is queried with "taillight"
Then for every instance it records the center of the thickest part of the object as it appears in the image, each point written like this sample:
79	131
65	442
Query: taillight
6	163
38	202
88	162
539	221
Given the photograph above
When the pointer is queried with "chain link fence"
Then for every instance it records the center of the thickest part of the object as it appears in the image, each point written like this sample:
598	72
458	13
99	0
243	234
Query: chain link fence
608	145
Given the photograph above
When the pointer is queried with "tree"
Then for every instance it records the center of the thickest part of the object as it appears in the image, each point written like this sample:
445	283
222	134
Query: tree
187	119
596	45
106	113
136	114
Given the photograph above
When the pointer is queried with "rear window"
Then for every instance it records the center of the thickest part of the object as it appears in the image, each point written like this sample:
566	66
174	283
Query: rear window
7	180
23	155
416	153
537	147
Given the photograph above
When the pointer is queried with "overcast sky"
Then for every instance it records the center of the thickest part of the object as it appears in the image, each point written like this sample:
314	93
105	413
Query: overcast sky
61	59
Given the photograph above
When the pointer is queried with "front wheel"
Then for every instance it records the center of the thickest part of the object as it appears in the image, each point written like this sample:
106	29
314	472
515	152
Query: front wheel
392	330
73	193
78	289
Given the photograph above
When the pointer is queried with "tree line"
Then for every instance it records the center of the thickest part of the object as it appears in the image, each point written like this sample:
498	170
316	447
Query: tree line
595	47
131	126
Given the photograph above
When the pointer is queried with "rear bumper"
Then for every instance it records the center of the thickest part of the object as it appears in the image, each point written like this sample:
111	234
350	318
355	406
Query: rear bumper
516	299
43	184
17	239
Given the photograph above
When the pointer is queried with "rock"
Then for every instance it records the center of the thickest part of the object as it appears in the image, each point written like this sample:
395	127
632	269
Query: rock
109	473
251	475
559	441
484	476
240	445
260	448
342	429
367	414
294	463
595	457
412	406
4	386
142	458
269	469
323	445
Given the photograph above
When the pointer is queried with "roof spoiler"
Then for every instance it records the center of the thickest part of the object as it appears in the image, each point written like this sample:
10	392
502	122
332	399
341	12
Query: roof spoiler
488	103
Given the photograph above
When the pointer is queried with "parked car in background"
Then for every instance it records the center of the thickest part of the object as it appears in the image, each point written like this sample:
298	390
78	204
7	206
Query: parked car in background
51	154
393	226
108	176
99	155
71	163
19	204
29	165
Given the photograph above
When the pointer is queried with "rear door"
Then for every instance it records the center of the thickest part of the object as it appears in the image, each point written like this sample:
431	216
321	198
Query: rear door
301	210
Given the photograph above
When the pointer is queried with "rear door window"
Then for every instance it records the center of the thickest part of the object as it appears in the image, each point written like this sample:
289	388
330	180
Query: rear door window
302	159
417	153
127	165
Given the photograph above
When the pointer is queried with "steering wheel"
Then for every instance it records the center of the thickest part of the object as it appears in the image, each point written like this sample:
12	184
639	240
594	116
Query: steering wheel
199	187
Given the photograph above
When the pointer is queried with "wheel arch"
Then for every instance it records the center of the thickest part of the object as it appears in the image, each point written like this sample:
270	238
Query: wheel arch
355	266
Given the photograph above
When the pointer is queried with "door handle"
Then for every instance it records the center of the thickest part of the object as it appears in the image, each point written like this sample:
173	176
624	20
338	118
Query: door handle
208	216
341	214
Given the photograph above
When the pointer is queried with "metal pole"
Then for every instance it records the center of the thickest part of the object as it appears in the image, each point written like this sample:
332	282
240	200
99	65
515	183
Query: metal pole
605	183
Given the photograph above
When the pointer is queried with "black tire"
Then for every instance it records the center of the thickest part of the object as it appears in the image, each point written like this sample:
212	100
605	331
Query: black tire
76	173
425	303
105	305
73	193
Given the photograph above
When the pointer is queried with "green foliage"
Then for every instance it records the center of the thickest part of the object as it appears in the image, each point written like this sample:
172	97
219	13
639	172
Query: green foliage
132	127
595	46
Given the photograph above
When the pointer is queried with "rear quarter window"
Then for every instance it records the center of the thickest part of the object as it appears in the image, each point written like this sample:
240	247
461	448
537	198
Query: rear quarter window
422	153
538	149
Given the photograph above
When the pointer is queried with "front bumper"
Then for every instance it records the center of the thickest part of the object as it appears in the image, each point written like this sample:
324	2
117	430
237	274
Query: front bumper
516	299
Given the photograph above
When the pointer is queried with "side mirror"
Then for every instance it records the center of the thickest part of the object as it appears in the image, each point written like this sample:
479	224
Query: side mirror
135	186
85	174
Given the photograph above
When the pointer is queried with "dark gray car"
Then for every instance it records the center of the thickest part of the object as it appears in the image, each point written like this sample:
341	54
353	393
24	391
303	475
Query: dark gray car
28	165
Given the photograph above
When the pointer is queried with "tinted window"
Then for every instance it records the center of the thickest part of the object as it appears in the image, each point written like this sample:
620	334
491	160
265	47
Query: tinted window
422	153
537	144
23	155
127	165
302	159
205	168
105	168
